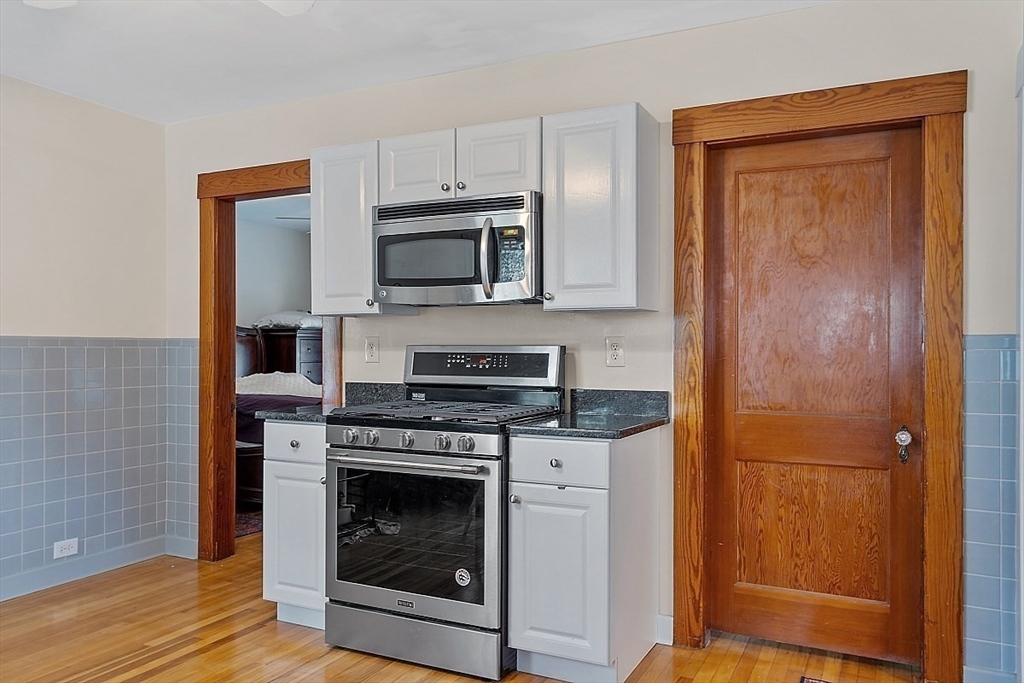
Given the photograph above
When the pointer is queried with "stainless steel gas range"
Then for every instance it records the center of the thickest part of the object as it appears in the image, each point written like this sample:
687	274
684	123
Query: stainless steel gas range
416	564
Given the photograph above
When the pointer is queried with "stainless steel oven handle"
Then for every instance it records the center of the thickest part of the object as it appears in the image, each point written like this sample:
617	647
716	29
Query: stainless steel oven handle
425	466
485	257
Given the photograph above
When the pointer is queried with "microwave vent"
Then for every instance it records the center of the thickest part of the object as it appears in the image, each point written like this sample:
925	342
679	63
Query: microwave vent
449	207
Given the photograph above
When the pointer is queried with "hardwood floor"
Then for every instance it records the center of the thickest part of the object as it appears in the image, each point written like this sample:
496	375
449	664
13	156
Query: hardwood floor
176	620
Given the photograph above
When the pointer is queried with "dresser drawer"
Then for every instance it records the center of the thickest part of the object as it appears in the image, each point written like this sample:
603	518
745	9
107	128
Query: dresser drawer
310	441
563	462
309	349
314	372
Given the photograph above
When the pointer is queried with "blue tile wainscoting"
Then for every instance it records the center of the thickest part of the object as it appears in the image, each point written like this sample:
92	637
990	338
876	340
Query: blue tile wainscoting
98	441
991	511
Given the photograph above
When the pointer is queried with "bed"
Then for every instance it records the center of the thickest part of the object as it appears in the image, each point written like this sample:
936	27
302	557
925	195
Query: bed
256	390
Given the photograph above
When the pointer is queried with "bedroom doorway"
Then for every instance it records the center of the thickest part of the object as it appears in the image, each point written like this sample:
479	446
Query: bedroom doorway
218	193
278	346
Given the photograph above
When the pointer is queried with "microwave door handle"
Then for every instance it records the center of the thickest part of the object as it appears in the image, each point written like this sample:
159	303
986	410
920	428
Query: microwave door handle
485	257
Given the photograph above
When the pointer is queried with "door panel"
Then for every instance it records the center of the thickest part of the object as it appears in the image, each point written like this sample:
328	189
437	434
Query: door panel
814	281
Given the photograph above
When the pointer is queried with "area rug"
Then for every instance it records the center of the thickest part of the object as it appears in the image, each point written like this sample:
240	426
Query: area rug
248	523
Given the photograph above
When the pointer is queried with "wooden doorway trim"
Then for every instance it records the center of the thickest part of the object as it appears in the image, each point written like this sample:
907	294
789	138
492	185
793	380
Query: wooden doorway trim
936	103
217	194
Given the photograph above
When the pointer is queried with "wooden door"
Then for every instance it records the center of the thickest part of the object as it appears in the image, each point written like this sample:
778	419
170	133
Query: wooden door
815	360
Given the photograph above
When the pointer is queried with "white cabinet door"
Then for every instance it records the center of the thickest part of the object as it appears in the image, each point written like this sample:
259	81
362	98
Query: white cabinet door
417	167
600	209
343	191
498	158
294	523
558	571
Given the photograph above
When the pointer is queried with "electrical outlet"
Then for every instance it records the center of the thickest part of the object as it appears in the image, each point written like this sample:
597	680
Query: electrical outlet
615	352
69	546
371	349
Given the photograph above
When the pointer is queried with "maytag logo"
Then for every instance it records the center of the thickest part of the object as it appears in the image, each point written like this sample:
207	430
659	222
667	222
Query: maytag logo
407	603
419	396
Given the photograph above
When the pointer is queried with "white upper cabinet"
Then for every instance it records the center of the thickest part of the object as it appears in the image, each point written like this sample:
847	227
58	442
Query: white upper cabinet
493	158
343	191
600	221
417	167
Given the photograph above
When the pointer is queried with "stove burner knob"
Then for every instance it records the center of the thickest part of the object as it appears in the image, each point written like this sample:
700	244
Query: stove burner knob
350	436
371	437
406	439
465	443
442	442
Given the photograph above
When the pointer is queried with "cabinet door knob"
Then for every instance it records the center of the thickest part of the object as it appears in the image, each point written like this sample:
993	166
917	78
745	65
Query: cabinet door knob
555	462
460	185
514	499
369	302
445	187
548	296
294	443
323	481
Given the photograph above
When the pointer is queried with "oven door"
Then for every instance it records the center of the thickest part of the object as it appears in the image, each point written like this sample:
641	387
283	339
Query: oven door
458	260
415	534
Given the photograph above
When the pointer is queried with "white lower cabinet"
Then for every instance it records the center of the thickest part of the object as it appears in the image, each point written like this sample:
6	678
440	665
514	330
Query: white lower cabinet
294	518
583	555
558	571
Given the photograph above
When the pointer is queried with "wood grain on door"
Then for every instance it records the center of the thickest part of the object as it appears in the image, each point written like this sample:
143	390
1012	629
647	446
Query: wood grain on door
814	342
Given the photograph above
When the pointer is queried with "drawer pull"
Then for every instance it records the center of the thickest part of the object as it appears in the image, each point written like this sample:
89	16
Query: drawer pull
294	443
555	462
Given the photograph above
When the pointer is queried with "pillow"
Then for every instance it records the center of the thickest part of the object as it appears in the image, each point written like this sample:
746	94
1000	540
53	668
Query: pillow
290	319
278	383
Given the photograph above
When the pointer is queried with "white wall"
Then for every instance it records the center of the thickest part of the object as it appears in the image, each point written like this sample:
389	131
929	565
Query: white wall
82	218
837	44
271	271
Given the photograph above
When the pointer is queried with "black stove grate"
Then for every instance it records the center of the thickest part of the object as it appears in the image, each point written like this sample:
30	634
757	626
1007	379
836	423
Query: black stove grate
494	413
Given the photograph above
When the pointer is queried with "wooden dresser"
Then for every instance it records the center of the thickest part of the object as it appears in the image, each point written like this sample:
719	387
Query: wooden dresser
291	350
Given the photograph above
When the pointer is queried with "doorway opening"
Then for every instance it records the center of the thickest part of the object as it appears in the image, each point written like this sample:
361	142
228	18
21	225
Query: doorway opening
218	194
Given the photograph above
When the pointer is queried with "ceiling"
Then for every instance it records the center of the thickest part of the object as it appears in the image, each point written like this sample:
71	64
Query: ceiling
172	60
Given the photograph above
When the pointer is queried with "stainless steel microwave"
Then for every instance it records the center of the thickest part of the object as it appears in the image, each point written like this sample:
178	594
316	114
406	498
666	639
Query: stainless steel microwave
450	252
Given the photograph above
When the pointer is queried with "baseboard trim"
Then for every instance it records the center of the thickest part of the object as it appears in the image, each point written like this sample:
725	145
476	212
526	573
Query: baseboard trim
664	629
51	575
181	547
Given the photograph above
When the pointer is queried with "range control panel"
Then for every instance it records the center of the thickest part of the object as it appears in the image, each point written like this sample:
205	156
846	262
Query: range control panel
539	366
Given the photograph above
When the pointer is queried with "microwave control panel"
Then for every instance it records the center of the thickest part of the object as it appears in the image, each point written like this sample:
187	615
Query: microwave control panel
511	254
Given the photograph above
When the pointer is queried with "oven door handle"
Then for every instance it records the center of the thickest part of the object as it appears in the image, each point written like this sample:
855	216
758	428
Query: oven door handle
485	257
424	466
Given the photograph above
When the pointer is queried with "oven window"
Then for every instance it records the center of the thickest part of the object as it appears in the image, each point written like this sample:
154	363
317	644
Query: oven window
415	533
430	259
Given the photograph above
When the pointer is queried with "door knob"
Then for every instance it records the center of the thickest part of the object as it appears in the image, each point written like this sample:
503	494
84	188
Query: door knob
514	499
548	296
555	462
903	439
294	443
323	481
369	302
445	187
460	185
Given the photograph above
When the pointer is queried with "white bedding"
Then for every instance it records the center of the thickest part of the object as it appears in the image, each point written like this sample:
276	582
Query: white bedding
290	319
280	383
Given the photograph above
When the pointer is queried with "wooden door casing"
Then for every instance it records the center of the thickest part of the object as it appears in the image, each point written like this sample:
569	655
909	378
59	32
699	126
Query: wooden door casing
937	103
815	248
217	194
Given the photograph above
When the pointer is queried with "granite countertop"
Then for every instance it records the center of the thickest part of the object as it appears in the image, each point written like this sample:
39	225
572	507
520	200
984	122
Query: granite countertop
588	426
316	413
596	413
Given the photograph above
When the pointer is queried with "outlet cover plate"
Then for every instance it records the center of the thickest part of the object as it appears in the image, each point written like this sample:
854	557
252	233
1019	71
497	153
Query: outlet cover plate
371	349
69	546
615	352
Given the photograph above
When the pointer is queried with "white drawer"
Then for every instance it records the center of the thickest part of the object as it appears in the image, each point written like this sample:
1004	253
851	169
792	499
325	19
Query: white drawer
295	442
563	462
